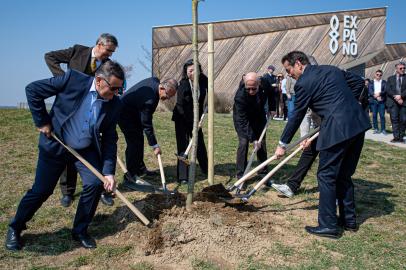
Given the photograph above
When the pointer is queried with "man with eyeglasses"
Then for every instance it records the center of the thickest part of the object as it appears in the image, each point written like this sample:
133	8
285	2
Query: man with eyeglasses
139	105
250	119
84	115
377	98
396	102
87	60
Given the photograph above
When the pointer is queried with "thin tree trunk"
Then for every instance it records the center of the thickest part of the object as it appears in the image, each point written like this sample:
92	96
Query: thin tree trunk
196	92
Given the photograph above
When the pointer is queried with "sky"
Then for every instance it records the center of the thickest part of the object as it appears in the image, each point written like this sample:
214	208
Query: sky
29	29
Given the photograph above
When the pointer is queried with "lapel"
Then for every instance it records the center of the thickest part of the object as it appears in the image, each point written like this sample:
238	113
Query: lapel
85	59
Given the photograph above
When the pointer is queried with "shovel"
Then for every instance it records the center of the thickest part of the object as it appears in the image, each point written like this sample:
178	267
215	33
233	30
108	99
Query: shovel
136	184
184	157
269	160
246	196
247	169
163	180
101	177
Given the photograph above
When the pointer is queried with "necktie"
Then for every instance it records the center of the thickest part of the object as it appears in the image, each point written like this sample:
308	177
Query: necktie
93	64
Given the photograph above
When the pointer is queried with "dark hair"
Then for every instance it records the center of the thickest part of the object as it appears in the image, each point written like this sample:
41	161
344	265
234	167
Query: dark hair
184	71
379	71
294	56
110	68
107	38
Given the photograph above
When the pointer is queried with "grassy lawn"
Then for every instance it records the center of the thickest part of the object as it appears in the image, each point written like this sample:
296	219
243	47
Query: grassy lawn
380	183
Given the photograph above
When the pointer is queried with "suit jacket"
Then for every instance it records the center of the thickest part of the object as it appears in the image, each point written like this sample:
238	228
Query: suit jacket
70	89
391	91
270	91
77	57
371	89
141	101
329	92
249	113
183	110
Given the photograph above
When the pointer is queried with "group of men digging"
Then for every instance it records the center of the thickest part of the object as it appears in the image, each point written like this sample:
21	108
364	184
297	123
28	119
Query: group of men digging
87	109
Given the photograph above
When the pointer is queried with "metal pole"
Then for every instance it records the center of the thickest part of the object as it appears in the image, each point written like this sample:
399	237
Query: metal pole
210	103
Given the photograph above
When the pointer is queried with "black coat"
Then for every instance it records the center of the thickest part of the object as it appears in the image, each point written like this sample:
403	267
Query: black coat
330	93
183	111
249	113
77	57
391	91
141	101
270	91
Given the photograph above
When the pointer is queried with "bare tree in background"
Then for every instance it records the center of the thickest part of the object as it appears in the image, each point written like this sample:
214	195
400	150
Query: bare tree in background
146	62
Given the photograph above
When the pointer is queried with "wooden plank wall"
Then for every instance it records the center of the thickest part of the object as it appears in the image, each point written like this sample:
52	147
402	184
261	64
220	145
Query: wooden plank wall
251	45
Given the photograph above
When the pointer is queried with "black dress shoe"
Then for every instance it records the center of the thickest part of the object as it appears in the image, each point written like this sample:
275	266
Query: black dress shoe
13	240
66	200
84	239
323	232
107	199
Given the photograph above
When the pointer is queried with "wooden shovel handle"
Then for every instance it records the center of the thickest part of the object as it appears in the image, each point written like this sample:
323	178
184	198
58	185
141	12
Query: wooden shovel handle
101	177
161	170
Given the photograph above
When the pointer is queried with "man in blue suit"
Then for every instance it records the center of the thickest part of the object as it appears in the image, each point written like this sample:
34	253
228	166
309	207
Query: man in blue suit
330	93
84	115
377	99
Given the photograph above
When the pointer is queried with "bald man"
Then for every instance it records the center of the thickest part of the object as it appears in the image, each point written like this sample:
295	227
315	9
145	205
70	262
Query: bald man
249	119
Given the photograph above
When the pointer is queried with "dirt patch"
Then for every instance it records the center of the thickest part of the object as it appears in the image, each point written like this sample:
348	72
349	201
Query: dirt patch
213	226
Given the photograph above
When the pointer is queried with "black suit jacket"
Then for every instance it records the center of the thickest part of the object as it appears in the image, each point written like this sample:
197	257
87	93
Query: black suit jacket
391	91
330	93
249	113
77	57
270	91
70	89
183	111
371	89
141	101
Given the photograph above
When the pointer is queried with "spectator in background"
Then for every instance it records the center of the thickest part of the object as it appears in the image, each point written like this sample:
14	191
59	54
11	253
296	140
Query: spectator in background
269	84
290	93
282	86
377	98
396	102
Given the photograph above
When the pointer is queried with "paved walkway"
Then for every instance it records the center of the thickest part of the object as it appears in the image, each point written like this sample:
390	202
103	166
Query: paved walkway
383	138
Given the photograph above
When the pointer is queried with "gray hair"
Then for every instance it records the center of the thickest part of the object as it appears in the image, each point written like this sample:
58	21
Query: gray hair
171	83
106	39
110	68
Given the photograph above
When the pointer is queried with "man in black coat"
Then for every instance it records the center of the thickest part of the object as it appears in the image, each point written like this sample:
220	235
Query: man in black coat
271	89
139	104
86	60
250	119
396	102
328	91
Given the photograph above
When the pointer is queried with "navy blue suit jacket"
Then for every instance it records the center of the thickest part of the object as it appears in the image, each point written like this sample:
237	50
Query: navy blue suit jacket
371	89
69	91
330	93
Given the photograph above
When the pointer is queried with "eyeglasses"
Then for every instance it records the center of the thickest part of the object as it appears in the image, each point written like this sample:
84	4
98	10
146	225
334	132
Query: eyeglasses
378	74
402	68
113	89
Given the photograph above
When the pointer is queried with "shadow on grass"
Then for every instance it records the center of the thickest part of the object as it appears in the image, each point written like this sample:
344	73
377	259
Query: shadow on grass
371	201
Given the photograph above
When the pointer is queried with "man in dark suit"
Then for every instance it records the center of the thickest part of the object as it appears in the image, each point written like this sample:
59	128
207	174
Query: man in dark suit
139	104
271	89
396	102
87	60
329	92
250	119
377	98
84	115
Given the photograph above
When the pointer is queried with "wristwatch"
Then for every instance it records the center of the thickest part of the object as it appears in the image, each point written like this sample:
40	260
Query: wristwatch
283	145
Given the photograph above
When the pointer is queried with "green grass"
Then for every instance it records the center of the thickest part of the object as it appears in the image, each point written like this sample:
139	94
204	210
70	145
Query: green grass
380	183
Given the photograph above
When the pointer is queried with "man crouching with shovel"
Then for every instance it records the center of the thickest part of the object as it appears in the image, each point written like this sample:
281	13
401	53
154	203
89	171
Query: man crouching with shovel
84	115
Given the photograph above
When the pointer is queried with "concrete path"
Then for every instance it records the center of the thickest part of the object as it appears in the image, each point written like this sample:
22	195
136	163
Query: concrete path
383	138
